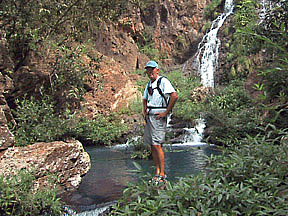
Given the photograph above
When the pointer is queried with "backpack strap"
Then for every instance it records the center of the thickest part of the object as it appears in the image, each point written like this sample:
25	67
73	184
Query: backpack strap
160	91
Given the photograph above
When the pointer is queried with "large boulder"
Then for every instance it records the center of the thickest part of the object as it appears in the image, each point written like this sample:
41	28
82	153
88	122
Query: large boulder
67	160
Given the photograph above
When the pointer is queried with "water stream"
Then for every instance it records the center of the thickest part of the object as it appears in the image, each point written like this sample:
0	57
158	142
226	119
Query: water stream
112	168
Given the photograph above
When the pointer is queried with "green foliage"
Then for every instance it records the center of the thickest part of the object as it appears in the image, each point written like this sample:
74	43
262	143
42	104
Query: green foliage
276	80
18	197
185	108
274	26
73	18
101	130
230	99
146	46
251	36
70	73
136	106
242	45
140	150
245	14
37	122
211	11
231	114
251	180
273	33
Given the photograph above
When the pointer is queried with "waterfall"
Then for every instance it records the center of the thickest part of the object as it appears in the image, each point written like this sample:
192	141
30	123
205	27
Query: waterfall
193	136
263	10
207	62
207	55
265	6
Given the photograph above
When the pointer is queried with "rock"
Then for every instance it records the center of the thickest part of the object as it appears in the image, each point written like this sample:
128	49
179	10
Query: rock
7	138
199	94
67	160
6	84
6	63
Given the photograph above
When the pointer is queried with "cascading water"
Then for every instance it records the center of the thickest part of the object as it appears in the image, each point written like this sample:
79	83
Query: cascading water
207	61
265	6
207	55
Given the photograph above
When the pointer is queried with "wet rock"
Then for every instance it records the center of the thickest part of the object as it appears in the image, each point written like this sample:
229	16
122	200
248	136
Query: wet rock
67	160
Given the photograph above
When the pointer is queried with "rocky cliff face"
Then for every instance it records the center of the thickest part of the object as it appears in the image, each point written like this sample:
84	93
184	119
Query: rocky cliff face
177	28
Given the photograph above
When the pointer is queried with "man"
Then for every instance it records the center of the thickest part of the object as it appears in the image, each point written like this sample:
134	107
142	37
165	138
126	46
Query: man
158	100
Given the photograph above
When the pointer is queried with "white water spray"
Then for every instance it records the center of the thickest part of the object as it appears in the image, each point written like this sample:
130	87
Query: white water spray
265	6
194	135
207	57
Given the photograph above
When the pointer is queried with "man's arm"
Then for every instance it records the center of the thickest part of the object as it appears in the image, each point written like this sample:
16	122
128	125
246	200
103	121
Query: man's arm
145	108
172	101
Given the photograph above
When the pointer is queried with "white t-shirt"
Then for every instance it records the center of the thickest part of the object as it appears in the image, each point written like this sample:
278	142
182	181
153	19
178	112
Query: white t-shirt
156	100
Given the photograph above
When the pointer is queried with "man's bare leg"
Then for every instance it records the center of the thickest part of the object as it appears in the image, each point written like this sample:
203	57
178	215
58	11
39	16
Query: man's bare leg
158	158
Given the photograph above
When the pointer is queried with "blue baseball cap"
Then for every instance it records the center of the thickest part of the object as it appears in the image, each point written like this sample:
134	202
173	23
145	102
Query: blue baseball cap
151	64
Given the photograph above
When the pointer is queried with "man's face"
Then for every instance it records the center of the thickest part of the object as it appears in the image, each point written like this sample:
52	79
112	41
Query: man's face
152	73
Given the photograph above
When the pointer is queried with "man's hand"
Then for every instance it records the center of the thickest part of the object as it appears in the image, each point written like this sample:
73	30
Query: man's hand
161	115
172	101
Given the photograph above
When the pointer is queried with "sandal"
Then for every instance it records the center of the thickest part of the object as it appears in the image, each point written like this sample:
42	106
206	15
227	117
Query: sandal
154	179
162	180
158	180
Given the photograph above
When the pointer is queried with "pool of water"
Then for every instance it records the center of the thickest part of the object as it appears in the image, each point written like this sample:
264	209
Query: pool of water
112	168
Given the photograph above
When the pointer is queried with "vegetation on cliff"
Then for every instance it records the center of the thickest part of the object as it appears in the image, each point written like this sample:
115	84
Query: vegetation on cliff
56	35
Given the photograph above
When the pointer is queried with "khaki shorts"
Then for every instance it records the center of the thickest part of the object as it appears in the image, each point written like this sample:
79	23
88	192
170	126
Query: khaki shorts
154	132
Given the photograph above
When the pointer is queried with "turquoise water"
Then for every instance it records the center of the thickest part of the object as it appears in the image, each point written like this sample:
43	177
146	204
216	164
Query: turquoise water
112	168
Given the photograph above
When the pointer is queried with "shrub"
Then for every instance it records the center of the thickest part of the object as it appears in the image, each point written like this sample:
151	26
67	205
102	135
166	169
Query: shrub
185	108
211	11
37	122
146	45
69	75
140	150
101	130
17	197
230	113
